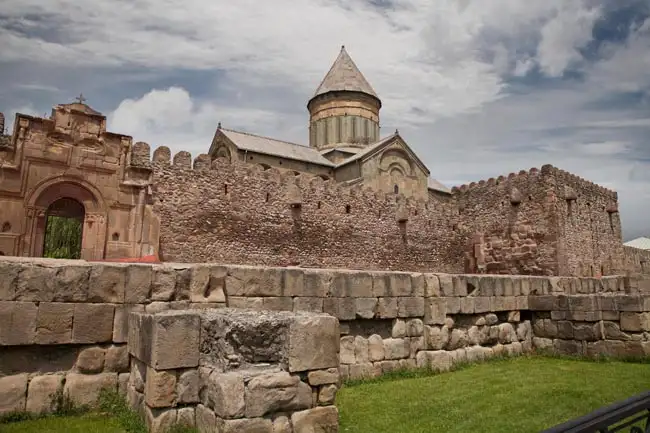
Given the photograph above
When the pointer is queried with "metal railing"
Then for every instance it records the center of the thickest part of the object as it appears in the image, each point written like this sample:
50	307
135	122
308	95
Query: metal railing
631	415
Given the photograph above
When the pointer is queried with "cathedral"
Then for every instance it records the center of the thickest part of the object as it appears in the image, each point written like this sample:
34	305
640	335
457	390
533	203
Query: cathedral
344	141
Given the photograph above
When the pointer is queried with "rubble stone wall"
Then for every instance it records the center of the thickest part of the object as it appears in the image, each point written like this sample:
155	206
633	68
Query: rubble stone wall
242	214
64	324
637	261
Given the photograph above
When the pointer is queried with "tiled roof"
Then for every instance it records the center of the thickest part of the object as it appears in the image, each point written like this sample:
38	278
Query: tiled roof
641	243
344	75
435	185
270	146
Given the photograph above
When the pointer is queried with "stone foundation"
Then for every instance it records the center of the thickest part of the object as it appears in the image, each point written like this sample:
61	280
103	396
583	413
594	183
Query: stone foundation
235	371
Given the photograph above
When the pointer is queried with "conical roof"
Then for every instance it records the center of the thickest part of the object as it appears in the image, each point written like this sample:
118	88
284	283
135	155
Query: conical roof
344	75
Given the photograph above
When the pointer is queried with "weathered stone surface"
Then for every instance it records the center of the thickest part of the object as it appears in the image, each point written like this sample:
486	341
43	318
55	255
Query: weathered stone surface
366	307
410	307
123	382
138	374
283	303
375	348
323	377
107	283
282	424
318	420
91	360
432	286
631	321
226	395
313	343
435	311
396	348
8	280
279	392
160	420
40	396
387	308
137	285
436	338
251	281
327	395
347	350
84	389
162	282
439	360
206	421
18	323
54	323
160	388
341	308
92	323
13	393
121	321
311	304
117	359
187	387
167	340
186	417
255	425
360	349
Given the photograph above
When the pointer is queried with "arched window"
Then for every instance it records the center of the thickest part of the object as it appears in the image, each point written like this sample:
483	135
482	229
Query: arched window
396	189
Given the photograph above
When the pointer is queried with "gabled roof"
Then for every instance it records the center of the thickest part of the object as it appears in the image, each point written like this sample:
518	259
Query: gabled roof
270	146
642	243
344	75
437	186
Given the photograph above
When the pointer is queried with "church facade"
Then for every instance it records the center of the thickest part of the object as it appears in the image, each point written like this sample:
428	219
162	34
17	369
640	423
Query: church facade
344	141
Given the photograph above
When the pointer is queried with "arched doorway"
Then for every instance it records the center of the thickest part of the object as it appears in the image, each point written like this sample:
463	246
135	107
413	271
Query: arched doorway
76	200
64	221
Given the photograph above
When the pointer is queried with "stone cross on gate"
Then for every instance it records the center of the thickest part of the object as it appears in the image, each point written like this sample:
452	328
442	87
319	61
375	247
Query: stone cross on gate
81	98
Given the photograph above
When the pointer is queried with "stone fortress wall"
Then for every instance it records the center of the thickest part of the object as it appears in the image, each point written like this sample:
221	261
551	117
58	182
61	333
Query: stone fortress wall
537	222
65	323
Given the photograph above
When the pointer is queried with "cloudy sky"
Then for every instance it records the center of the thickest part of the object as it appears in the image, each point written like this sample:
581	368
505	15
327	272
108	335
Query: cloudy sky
478	88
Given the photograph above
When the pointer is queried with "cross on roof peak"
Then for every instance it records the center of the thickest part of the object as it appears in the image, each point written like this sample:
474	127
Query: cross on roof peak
80	99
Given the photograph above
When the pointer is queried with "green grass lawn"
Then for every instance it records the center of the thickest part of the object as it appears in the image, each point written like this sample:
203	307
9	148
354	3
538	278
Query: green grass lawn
526	394
517	395
90	423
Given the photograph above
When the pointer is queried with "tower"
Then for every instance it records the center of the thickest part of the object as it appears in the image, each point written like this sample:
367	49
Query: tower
344	111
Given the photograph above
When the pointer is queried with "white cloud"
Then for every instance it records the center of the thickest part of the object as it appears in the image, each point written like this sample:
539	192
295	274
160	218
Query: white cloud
441	68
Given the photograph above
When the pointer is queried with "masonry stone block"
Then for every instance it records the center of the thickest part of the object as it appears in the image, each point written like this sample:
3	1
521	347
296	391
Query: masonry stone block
41	392
347	350
121	321
541	303
36	284
117	359
107	283
316	283
360	349
467	305
314	343
351	284
246	425
310	304
92	323
160	388
138	374
251	281
460	285
246	303
8	280
452	305
635	322
226	394
341	308
91	360
137	283
162	285
366	307
439	360
446	284
186	417
410	307
18	322
206	420
276	392
283	303
13	393
396	348
432	285
54	323
167	340
435	311
323	377
387	308
187	386
84	389
160	420
401	284
629	303
317	420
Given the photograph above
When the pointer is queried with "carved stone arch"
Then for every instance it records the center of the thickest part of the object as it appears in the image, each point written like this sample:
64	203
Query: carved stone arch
57	190
393	156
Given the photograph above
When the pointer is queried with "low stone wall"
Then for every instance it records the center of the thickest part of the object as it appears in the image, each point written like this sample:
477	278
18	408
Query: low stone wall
64	324
235	371
601	324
